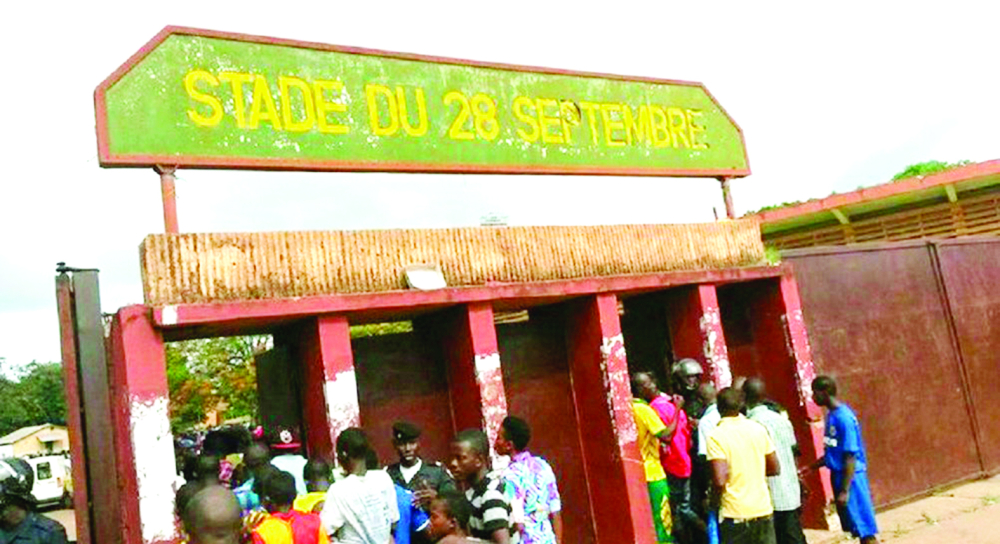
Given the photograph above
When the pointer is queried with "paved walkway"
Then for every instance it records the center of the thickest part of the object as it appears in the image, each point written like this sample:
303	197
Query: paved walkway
968	514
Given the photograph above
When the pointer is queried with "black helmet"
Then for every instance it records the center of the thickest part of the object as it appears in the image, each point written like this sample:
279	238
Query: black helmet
687	367
16	480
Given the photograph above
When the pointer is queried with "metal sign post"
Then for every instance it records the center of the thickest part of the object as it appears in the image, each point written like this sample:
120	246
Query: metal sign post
169	194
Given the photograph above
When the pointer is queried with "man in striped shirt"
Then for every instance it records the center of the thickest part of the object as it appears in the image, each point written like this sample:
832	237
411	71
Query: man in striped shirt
469	464
785	491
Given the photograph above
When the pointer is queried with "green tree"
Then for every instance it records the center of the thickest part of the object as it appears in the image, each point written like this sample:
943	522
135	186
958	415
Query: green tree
42	386
36	397
210	374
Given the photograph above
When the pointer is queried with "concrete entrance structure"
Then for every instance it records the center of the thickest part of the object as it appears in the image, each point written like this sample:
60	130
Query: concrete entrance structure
565	368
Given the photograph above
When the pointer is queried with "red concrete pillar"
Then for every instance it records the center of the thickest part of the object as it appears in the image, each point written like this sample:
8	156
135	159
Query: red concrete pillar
603	402
474	375
141	421
696	331
798	341
805	372
329	387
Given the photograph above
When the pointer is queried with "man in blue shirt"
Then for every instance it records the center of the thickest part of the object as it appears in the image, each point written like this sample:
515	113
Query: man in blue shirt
845	457
19	524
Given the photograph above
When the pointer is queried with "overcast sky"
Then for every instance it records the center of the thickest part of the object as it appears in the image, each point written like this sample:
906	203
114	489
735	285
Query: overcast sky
830	96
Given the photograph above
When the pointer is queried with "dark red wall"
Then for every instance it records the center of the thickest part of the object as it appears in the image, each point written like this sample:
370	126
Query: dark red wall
878	322
402	376
972	279
536	379
647	336
754	323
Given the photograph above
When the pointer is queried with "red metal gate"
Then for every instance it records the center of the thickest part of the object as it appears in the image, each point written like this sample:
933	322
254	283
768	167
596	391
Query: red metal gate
910	329
971	278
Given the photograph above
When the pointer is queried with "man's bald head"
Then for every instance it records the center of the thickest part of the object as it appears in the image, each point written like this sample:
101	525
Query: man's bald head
754	391
707	393
213	517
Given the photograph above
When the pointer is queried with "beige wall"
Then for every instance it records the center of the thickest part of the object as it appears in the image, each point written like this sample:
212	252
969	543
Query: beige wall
31	445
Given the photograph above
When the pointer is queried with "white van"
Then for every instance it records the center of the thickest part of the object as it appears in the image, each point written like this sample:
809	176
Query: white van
51	474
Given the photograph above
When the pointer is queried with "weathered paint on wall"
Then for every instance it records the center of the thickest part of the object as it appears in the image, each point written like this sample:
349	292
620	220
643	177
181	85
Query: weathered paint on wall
598	370
153	445
713	339
342	402
494	400
618	388
805	373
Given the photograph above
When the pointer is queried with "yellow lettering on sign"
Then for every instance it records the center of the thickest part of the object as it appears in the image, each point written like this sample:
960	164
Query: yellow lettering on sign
404	115
262	98
373	91
484	113
237	79
520	103
190	85
694	129
636	126
570	115
545	121
320	86
591	108
458	130
612	125
658	130
285	85
678	131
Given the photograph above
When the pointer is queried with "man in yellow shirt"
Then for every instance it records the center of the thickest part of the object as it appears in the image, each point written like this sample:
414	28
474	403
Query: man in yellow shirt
652	431
742	457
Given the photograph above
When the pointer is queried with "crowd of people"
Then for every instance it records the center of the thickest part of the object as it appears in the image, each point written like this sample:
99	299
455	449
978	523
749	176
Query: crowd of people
723	467
276	496
720	468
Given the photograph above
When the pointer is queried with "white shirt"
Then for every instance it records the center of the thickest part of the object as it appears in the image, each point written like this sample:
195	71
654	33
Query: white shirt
361	509
409	472
708	422
294	465
785	492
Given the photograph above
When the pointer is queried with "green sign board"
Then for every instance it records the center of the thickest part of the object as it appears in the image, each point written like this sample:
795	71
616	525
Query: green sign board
204	99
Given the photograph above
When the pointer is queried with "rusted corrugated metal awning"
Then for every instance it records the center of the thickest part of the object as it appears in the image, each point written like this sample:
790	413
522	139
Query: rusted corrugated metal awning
192	268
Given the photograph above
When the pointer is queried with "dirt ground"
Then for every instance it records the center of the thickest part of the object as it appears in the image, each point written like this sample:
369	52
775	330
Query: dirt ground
968	514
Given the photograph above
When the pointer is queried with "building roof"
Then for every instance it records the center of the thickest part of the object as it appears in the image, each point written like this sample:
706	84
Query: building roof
881	198
22	433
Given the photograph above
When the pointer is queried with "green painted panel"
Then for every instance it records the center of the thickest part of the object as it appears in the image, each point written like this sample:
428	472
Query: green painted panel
217	101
